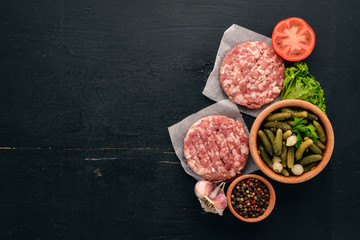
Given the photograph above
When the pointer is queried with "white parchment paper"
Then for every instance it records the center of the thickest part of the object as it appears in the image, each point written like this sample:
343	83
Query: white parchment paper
232	37
178	131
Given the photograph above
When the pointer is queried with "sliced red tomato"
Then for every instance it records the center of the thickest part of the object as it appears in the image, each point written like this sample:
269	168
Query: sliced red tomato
293	39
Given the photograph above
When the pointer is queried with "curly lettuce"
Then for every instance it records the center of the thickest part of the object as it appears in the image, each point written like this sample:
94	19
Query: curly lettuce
300	84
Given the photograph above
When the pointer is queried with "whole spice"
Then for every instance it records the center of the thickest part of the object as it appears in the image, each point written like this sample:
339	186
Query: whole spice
212	200
250	198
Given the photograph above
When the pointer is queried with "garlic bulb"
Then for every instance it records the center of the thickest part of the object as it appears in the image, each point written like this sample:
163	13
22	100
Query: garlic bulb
212	200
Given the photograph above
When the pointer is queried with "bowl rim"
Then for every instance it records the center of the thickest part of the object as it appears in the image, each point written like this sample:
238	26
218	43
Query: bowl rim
328	147
268	210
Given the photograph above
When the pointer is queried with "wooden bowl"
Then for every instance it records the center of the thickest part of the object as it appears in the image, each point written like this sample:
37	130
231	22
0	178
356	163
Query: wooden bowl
326	154
268	209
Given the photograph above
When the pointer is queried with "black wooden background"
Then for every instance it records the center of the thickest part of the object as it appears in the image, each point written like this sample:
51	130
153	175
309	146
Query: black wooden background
88	89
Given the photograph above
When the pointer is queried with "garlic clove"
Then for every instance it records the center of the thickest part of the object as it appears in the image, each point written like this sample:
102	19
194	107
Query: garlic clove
297	169
203	188
277	167
291	141
219	201
216	190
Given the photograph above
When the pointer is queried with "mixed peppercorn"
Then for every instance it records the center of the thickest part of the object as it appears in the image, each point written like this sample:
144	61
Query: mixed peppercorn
250	198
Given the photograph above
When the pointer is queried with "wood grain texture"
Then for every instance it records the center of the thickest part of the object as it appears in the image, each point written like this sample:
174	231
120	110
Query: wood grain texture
88	89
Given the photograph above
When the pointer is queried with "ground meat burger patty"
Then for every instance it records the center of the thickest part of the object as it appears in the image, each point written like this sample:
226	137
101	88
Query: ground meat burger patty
252	74
216	148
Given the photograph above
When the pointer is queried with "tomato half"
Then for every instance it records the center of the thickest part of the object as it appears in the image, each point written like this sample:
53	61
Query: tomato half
293	39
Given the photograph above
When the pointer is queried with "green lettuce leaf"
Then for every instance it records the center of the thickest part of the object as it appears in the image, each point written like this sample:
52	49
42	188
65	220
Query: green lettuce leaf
300	84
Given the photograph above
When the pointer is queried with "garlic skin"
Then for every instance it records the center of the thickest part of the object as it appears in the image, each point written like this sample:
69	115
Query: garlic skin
203	188
211	200
216	191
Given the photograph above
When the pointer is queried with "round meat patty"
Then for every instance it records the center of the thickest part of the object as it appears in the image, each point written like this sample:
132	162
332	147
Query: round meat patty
216	148
252	74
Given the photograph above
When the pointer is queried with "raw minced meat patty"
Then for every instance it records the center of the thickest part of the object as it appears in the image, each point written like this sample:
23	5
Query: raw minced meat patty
216	148
252	74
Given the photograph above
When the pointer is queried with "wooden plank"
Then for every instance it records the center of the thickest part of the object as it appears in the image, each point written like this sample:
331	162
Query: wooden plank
77	193
88	89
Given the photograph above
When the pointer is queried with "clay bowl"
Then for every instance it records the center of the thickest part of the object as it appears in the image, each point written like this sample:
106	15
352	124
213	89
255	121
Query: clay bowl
329	146
268	209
